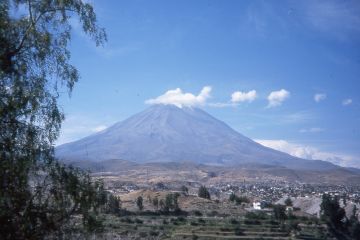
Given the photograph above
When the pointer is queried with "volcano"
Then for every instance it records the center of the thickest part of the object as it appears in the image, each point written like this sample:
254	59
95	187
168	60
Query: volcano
167	133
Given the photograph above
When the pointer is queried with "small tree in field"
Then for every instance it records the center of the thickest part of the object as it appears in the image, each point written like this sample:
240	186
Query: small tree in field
139	203
113	204
332	213
335	217
203	192
184	189
288	202
279	212
155	202
232	197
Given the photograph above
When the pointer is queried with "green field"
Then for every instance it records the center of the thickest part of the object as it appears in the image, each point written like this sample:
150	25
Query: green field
203	227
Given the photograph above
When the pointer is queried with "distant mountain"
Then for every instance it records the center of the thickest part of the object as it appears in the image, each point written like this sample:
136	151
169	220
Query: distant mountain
166	133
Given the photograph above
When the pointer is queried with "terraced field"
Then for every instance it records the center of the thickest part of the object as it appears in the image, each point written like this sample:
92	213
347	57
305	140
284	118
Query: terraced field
195	227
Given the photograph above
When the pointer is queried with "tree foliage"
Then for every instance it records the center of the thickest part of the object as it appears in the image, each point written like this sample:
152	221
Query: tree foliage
279	212
336	219
288	202
139	203
204	192
39	195
354	224
331	212
238	200
155	202
113	204
185	190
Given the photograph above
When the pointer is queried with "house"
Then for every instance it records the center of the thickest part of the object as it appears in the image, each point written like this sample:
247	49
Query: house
257	205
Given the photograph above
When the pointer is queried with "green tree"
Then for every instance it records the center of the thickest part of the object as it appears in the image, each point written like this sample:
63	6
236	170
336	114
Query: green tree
354	224
162	204
155	202
279	212
203	192
288	202
332	213
232	197
139	203
241	199
113	204
184	189
171	203
39	195
168	202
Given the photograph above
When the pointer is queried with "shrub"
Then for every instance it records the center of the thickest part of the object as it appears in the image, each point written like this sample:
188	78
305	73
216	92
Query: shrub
143	234
212	214
238	231
288	202
194	223
201	221
154	233
234	221
238	200
197	213
139	221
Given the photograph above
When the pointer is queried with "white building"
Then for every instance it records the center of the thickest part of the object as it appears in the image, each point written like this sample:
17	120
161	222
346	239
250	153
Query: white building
257	205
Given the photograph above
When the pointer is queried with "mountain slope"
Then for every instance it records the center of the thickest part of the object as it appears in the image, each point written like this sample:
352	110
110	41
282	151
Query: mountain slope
168	133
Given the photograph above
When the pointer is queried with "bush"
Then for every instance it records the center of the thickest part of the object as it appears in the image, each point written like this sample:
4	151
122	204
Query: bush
201	221
238	200
139	221
238	231
288	202
258	215
252	222
225	229
194	223
127	220
181	219
234	221
154	233
197	213
212	214
143	234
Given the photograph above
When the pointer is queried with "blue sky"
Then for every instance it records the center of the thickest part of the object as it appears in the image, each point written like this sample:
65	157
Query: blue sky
295	49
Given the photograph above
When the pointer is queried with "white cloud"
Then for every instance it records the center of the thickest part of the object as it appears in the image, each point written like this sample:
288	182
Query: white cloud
99	128
180	99
276	98
319	97
346	102
297	117
311	130
77	126
310	153
238	96
338	18
221	104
